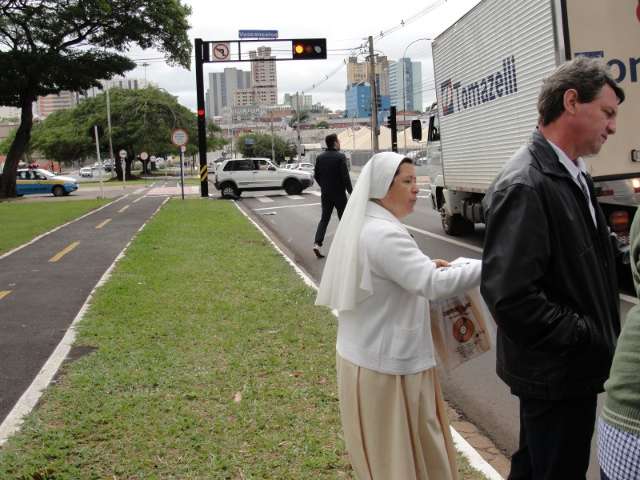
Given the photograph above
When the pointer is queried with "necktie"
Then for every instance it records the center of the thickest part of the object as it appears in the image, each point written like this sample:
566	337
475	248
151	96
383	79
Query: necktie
583	186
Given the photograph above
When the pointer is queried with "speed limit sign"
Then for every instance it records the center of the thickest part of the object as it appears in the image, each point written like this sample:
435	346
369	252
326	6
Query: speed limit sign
179	137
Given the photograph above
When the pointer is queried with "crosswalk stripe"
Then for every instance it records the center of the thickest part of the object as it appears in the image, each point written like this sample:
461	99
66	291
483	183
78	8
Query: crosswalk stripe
295	197
264	199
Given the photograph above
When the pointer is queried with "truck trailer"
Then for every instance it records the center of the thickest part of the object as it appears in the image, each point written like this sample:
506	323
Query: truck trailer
489	67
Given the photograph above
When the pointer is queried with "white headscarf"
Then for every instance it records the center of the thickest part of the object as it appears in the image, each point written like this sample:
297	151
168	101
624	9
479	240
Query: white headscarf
344	282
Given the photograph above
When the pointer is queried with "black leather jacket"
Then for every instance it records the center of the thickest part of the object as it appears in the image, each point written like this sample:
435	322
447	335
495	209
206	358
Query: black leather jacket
549	279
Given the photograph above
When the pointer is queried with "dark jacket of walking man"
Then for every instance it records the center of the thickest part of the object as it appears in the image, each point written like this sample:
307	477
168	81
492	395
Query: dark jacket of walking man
549	277
332	175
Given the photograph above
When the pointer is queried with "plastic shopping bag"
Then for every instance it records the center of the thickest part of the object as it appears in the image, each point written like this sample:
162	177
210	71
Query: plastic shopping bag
460	327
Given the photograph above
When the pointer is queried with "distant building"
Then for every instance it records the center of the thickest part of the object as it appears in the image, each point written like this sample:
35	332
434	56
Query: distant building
222	89
128	83
358	72
48	104
412	91
296	100
9	112
358	101
264	80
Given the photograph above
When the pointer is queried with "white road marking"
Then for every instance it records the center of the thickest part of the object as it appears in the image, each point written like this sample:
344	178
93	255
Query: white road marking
264	199
123	208
445	239
286	206
295	197
315	192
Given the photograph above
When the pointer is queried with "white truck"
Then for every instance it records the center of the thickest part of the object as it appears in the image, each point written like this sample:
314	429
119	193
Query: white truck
489	67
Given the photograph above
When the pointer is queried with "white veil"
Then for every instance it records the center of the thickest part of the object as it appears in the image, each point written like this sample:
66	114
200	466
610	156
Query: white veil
344	283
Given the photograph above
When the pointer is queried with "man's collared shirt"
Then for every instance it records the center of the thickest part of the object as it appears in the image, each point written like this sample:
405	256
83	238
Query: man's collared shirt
577	171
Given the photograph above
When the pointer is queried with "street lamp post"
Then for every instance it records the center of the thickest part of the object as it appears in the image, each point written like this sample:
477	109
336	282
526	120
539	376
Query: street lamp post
404	101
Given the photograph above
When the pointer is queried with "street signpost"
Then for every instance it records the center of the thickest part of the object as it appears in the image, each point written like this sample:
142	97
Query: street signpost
180	138
123	154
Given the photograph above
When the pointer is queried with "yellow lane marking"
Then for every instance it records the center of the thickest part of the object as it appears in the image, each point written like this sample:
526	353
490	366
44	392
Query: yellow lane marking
123	209
4	293
63	252
103	224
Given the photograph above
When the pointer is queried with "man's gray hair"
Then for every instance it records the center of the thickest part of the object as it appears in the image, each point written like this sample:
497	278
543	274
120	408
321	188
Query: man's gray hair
585	75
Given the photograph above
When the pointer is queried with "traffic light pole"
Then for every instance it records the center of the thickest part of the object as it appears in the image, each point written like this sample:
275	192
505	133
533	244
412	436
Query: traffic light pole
374	98
393	126
202	121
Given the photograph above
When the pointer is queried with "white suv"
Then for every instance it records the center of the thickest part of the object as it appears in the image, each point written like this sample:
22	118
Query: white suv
235	176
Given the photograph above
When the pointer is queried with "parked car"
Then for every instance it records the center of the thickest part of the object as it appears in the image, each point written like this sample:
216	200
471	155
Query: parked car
235	176
86	172
306	167
39	181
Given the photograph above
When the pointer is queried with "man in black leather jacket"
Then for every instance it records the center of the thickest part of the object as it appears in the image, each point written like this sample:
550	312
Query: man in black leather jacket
549	274
332	174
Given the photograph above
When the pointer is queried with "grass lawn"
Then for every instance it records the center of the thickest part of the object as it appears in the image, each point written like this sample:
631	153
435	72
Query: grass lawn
24	221
208	361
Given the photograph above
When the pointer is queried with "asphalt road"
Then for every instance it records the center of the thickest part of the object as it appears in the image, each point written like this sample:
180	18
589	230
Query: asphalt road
473	388
44	285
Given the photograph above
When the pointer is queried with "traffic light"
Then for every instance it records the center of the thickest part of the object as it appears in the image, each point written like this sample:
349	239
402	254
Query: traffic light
393	126
309	48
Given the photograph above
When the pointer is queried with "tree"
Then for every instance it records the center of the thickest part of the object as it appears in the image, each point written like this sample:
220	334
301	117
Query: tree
142	121
298	118
214	137
50	45
322	124
259	145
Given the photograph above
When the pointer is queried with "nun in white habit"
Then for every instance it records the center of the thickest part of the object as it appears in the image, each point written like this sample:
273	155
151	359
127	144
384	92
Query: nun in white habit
378	280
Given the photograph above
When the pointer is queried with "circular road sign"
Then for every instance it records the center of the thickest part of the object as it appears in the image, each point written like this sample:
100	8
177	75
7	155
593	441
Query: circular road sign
122	153
179	137
144	156
220	51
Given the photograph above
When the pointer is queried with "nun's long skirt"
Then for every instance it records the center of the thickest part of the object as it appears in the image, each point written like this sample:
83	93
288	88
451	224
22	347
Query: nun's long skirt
395	426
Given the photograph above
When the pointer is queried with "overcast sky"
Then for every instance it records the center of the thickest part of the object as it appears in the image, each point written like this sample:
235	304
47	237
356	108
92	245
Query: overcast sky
345	25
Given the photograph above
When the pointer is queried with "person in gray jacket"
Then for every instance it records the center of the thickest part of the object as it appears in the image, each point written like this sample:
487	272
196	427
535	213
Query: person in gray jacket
549	275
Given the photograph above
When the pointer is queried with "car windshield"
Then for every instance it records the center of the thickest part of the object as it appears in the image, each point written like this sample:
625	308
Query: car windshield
46	173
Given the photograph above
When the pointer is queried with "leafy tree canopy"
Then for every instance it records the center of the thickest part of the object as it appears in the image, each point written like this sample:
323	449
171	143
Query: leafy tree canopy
47	46
142	120
261	146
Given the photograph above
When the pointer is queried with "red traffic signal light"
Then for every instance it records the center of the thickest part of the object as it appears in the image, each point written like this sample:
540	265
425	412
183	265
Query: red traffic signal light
309	49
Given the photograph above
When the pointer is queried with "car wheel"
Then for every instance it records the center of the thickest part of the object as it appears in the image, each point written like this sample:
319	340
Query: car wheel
58	191
292	187
228	190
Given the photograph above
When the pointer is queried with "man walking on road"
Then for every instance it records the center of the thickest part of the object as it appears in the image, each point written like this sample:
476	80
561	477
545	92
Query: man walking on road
332	175
549	273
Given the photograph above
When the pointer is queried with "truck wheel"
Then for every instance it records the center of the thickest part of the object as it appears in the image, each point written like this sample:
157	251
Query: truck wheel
58	191
292	187
456	225
228	190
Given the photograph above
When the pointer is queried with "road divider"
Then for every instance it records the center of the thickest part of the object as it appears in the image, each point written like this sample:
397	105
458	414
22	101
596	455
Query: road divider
63	252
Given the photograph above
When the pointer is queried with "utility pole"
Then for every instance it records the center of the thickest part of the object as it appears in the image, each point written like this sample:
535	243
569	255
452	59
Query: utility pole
375	130
111	156
299	149
273	152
